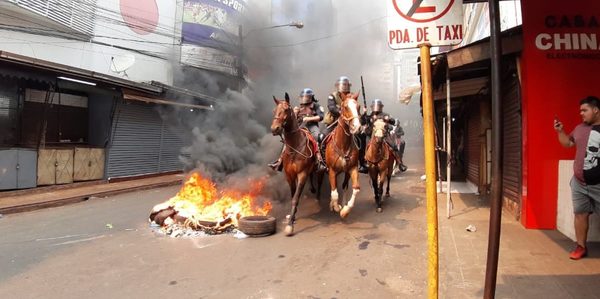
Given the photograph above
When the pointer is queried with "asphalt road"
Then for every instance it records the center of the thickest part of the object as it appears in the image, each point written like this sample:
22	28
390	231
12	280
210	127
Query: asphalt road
104	248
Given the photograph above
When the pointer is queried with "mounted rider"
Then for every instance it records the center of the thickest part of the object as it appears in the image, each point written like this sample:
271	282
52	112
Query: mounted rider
378	114
334	102
308	114
396	135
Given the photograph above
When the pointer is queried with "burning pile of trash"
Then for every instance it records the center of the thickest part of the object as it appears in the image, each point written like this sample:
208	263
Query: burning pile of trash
200	207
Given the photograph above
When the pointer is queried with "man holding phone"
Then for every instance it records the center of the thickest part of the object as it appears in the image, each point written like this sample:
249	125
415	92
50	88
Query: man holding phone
585	184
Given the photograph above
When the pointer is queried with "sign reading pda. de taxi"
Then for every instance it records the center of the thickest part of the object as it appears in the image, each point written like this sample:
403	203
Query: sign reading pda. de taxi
413	22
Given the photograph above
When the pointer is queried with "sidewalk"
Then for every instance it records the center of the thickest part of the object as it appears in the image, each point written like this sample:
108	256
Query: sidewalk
532	263
35	199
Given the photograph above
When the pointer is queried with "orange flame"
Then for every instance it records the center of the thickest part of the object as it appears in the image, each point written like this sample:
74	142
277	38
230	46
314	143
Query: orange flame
199	199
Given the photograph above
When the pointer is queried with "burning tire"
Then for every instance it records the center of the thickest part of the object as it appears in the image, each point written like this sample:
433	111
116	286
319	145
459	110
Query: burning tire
257	226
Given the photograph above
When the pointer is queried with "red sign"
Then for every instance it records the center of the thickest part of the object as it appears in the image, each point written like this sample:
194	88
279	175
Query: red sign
421	11
561	59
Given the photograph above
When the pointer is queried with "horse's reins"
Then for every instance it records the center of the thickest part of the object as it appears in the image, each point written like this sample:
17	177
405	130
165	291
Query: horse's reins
335	146
380	150
283	121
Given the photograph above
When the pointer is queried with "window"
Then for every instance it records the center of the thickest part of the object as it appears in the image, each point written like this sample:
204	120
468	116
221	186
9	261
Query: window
78	15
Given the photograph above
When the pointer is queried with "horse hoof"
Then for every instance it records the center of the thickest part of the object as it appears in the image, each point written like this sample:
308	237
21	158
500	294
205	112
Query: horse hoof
345	212
334	206
289	230
387	195
379	210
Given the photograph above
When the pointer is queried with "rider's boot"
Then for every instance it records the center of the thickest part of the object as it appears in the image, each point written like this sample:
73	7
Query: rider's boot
277	164
321	166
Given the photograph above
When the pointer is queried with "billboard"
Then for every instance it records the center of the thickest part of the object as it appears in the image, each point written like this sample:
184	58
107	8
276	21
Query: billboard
212	23
560	65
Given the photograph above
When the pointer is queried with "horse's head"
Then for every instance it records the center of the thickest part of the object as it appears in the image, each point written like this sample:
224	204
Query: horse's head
350	112
378	131
282	114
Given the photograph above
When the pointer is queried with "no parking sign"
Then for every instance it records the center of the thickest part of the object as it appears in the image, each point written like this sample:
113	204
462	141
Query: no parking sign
413	22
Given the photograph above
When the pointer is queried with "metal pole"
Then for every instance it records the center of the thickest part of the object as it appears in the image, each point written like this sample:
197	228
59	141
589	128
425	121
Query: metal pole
442	150
449	203
491	270
429	143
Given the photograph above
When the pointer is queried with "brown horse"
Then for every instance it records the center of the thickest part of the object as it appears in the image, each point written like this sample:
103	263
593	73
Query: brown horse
298	159
341	153
380	161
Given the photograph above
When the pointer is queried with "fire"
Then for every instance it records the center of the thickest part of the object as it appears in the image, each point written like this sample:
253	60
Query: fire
199	201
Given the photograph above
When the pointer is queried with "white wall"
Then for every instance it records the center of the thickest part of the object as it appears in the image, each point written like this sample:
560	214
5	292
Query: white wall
110	25
564	215
477	19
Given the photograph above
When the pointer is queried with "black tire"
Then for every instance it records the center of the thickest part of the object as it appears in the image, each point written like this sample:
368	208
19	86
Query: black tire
257	226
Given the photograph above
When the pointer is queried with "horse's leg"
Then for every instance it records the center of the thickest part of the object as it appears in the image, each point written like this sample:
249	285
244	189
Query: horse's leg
389	178
300	181
381	176
311	178
320	177
373	177
333	202
355	189
346	179
292	183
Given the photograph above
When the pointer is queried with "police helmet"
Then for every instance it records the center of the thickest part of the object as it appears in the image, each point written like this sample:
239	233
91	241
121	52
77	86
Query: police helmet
377	105
343	84
307	96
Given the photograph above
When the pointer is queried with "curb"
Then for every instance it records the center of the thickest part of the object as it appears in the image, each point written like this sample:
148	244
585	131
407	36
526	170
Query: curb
80	198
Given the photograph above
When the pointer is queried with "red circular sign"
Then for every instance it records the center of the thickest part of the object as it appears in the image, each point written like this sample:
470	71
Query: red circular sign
422	20
141	16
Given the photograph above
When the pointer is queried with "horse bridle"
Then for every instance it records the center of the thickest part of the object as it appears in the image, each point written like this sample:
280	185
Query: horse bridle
348	120
283	120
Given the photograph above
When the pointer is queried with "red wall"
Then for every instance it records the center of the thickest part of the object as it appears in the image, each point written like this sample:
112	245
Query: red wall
553	83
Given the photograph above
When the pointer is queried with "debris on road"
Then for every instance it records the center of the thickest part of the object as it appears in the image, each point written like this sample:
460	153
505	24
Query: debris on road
109	226
471	228
239	235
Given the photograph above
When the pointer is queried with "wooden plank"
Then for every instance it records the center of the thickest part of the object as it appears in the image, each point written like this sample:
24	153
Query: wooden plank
64	168
80	164
97	157
46	174
481	51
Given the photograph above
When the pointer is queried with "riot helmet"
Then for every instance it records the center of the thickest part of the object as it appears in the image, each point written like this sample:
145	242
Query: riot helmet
343	84
377	105
307	96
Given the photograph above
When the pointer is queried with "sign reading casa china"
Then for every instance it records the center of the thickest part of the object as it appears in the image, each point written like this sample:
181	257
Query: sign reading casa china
413	22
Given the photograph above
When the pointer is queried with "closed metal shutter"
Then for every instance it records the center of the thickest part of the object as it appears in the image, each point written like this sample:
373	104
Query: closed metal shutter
135	140
142	143
512	144
170	148
473	147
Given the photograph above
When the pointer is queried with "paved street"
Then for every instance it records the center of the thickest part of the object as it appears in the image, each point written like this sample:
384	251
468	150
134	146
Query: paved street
104	248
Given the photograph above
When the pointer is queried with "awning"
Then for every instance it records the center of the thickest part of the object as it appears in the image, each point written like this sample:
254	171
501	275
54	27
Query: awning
462	88
469	65
512	42
57	69
20	66
146	98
